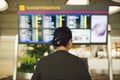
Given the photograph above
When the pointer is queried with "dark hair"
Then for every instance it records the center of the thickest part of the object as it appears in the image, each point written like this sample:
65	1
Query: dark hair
61	36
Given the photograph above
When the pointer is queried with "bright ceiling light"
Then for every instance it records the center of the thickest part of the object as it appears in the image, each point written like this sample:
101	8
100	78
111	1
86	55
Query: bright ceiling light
3	5
77	2
118	1
114	9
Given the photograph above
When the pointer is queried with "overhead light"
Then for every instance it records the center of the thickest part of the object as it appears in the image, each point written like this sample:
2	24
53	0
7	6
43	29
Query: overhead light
77	2
118	1
114	9
3	5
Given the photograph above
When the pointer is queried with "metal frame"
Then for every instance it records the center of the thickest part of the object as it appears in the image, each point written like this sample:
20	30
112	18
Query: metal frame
110	68
15	58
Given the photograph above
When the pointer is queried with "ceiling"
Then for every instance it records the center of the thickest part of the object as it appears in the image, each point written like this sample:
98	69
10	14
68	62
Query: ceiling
13	4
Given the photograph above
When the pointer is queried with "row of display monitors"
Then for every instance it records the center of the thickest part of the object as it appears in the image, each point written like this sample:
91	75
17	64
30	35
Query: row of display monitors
86	28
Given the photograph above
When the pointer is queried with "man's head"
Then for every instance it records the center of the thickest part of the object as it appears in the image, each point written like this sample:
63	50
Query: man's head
62	37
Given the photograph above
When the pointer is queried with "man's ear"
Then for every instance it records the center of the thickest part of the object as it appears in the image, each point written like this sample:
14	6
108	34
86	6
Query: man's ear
70	41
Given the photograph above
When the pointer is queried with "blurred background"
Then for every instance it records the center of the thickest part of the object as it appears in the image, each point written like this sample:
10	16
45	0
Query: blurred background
95	53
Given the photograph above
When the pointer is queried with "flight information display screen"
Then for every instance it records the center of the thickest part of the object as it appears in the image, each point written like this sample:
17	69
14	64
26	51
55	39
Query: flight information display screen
87	27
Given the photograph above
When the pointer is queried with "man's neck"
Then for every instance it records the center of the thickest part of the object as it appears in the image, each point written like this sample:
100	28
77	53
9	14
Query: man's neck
61	48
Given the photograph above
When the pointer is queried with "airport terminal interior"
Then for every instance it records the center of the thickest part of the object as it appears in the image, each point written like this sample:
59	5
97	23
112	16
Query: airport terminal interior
103	59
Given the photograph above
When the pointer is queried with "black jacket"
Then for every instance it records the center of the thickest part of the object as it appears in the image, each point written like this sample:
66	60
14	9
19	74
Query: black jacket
61	65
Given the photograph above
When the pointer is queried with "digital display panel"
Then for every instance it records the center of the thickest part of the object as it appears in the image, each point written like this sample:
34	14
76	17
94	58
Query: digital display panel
88	26
83	37
39	28
98	29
